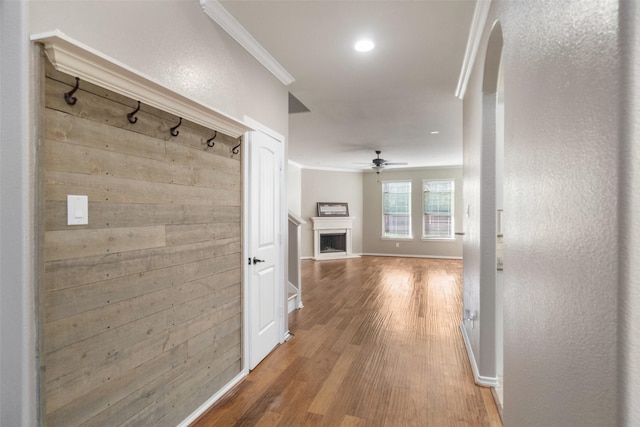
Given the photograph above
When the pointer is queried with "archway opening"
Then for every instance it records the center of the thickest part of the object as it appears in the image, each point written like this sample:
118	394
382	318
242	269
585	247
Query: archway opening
492	239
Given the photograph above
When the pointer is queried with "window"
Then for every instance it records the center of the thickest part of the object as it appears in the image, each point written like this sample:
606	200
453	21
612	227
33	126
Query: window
396	210
438	199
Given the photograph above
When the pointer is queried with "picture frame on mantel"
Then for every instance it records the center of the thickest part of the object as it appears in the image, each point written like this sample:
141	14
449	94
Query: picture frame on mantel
333	209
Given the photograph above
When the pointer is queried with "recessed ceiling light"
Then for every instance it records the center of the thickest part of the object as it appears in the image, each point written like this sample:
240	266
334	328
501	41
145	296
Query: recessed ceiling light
435	132
364	45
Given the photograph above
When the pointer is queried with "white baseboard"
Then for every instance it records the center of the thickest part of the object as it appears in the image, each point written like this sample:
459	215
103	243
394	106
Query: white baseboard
213	399
413	256
479	379
498	401
329	258
395	255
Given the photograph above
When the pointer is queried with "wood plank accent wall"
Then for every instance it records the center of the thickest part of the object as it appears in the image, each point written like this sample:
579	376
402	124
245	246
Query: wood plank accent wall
140	311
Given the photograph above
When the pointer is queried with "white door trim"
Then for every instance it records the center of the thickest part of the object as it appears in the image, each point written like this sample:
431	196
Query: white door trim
256	125
246	272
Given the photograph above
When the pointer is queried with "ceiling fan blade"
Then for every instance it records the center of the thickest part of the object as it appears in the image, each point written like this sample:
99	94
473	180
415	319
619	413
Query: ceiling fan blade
378	163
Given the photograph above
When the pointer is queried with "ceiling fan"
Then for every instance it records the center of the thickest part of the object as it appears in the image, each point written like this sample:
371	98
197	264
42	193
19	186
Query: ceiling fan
378	164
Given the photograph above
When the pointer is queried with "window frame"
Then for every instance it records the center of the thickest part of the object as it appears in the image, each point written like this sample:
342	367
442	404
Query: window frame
384	236
452	215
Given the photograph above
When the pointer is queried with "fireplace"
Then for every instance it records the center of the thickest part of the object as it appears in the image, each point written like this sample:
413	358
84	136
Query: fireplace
332	237
333	242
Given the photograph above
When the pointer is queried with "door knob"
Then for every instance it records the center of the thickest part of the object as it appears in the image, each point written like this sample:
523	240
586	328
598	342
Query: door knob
256	260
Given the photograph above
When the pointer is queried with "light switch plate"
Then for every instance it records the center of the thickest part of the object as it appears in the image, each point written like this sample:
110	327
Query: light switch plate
77	210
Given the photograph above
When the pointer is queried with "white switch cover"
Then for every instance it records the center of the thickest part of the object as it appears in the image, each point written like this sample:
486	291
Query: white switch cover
77	210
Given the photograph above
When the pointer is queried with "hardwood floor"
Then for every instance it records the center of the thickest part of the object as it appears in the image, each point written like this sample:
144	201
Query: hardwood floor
377	344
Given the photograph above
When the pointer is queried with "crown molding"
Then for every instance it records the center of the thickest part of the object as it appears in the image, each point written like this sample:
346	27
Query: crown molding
330	169
478	23
222	17
79	60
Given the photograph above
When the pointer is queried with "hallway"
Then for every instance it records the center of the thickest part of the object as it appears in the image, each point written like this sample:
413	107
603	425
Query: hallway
377	343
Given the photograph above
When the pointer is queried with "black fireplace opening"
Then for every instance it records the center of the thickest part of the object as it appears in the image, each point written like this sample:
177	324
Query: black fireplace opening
336	242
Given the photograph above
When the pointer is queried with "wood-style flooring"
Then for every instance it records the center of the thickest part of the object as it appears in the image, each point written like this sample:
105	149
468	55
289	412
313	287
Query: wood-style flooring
377	344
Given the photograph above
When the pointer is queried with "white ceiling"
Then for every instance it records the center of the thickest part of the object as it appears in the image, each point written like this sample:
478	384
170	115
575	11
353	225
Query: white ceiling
389	99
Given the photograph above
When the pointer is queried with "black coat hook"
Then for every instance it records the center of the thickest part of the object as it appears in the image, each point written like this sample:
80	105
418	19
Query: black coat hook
174	130
210	142
236	149
71	100
132	115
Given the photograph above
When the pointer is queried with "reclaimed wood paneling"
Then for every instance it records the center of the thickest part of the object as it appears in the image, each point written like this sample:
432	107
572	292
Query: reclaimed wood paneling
140	308
119	190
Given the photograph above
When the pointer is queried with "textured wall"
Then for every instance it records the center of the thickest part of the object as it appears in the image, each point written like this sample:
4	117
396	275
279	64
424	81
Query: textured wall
562	145
372	214
563	101
17	253
294	190
177	44
483	198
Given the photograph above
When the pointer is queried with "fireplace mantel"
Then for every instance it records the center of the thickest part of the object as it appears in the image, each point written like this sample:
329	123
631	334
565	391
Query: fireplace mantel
332	225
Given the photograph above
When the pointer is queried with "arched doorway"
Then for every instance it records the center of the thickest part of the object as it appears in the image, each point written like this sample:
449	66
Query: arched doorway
491	239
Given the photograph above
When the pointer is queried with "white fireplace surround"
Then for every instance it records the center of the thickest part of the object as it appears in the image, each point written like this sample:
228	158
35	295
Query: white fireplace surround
332	225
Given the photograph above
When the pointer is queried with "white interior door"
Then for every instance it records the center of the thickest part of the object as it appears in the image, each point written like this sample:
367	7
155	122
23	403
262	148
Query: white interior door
265	264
